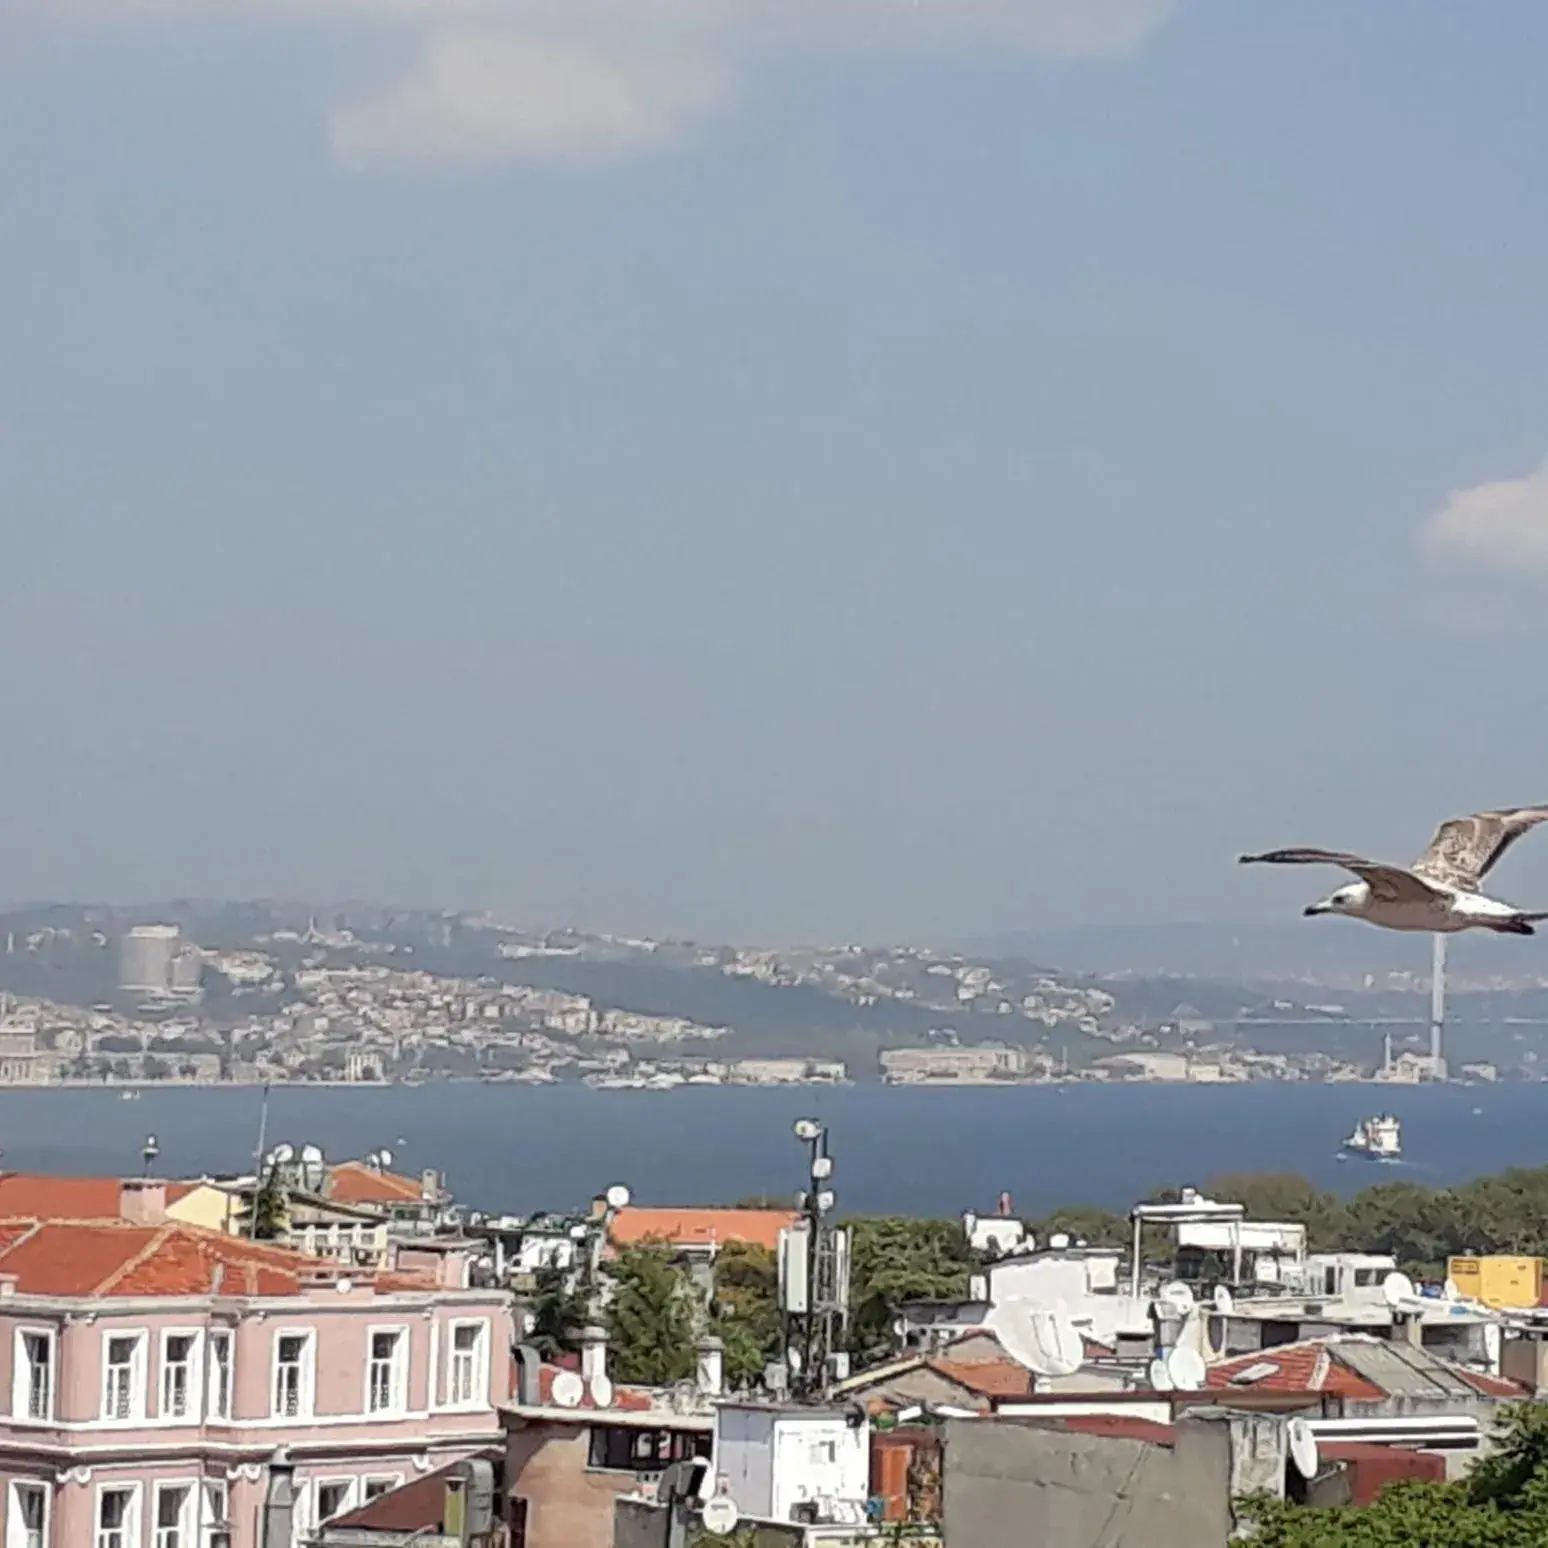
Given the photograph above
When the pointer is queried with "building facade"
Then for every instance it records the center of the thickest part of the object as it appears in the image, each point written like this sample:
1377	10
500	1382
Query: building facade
150	1372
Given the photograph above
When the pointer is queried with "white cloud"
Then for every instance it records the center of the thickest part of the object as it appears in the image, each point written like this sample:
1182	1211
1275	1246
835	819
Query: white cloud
1496	526
543	79
480	96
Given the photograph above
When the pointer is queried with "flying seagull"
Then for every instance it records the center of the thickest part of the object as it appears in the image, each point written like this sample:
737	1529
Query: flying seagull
1439	891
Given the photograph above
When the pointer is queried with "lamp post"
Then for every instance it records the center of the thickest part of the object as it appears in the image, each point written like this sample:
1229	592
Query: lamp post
148	1153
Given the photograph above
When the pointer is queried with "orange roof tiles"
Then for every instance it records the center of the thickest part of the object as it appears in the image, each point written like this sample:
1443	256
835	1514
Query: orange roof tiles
354	1182
701	1227
989	1378
1309	1366
71	1198
116	1258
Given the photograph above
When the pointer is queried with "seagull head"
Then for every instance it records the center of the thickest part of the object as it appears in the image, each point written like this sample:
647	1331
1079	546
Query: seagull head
1347	900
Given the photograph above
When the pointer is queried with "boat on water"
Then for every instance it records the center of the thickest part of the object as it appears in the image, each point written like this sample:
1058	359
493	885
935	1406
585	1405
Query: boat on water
1376	1139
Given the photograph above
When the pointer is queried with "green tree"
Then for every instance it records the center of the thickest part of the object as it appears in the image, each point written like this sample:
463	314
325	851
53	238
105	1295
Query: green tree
560	1309
650	1318
894	1260
270	1208
746	1311
1284	1196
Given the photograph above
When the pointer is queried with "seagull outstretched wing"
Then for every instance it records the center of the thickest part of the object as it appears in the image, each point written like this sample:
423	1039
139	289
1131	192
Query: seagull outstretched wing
1388	883
1465	849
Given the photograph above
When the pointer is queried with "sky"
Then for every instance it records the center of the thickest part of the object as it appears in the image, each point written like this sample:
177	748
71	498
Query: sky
768	469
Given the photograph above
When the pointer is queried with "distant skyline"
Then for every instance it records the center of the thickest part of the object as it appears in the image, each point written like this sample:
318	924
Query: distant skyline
772	471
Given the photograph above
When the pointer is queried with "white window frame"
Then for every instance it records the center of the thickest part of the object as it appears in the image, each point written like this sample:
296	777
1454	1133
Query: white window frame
351	1487
131	1528
218	1338
478	1397
306	1396
21	1368
194	1412
398	1405
15	1531
390	1481
186	1519
138	1376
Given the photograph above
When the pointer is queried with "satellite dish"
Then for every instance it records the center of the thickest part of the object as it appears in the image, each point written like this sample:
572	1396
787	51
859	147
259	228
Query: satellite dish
1041	1338
1178	1295
1160	1377
344	1286
311	1153
1397	1288
1225	1302
1058	1241
721	1515
1451	1292
1186	1368
568	1390
386	1156
1303	1448
618	1197
601	1392
283	1153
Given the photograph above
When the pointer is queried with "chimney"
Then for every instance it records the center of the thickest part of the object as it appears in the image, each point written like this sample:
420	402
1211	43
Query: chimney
529	1362
593	1353
279	1503
711	1375
142	1200
430	1185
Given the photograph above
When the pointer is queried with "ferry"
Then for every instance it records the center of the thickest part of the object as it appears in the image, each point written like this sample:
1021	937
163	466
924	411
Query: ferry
1376	1139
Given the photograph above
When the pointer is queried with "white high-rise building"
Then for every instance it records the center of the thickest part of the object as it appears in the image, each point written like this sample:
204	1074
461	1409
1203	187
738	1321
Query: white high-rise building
154	959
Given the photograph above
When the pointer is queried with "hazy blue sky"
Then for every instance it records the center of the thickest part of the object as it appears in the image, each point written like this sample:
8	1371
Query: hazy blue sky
768	468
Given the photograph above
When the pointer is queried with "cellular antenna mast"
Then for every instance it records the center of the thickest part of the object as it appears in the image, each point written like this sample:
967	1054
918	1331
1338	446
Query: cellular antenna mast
814	1276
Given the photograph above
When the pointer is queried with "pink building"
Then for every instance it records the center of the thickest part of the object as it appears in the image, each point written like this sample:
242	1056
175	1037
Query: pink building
149	1371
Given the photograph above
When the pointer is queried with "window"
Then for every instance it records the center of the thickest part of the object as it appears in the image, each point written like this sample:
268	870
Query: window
375	1488
123	1377
173	1502
178	1352
333	1498
32	1395
467	1363
293	1375
1367	1276
620	1448
220	1376
385	1384
27	1520
117	1526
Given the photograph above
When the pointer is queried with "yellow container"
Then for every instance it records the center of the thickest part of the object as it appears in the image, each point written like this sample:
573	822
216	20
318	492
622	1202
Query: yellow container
1498	1280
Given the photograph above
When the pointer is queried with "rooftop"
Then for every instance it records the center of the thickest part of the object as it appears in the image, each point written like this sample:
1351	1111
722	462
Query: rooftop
358	1182
701	1227
1356	1366
116	1258
71	1198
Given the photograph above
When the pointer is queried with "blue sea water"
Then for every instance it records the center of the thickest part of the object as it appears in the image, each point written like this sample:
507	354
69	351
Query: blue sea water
932	1151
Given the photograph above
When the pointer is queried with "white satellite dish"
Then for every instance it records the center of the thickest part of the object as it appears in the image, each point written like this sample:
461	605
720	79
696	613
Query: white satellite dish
311	1153
618	1197
1225	1302
601	1392
1303	1448
1186	1368
721	1515
283	1153
1041	1338
385	1157
1178	1296
568	1390
1160	1377
1451	1292
1397	1288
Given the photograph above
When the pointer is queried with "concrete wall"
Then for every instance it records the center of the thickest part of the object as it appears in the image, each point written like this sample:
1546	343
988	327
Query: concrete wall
1014	1484
569	1504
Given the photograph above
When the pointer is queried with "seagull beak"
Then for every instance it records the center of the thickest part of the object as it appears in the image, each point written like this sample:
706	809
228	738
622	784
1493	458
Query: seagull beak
1313	909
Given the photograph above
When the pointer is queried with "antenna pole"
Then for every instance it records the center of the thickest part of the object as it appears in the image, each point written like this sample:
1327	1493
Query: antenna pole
1437	1005
263	1131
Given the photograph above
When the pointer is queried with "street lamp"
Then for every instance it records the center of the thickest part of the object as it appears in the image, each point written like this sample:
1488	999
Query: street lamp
149	1151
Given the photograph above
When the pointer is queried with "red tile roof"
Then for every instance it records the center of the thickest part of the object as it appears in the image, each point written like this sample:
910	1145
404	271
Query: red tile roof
1494	1386
1309	1366
356	1182
630	1399
117	1258
989	1378
71	1198
1118	1426
702	1227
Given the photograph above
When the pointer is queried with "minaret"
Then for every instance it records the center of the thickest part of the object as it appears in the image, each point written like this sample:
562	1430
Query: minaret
1437	1005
